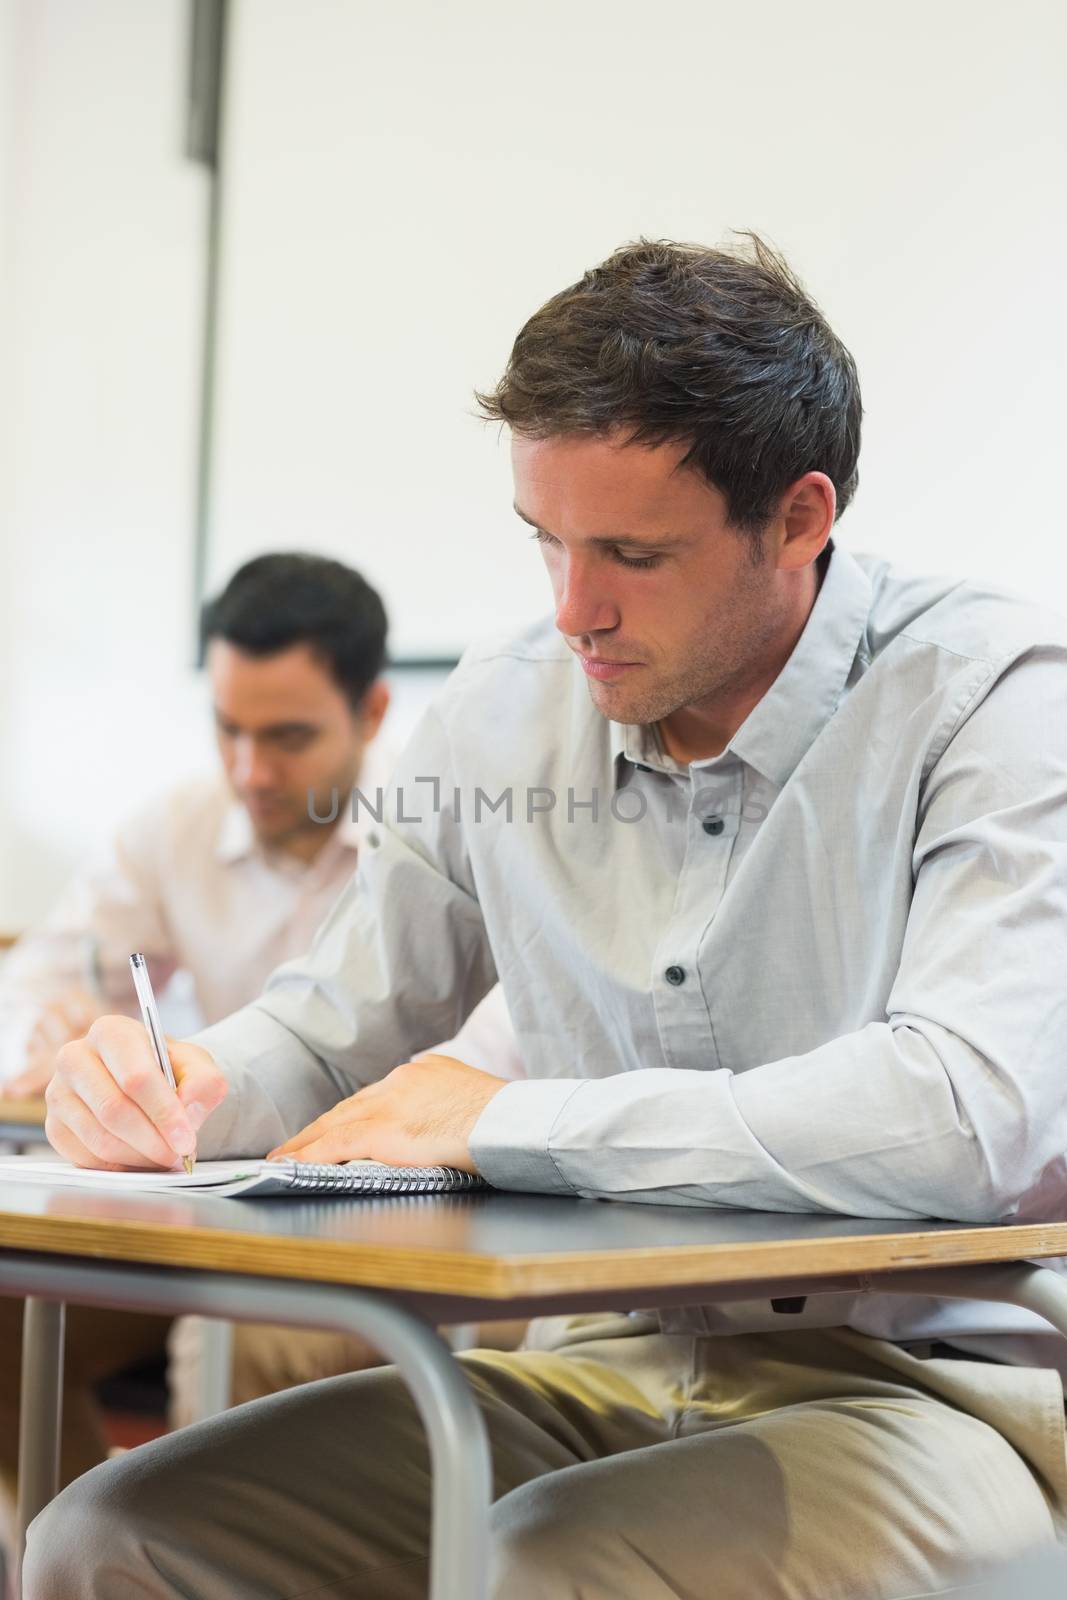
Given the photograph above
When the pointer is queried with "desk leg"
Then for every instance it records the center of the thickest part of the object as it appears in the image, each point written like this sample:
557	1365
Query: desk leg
42	1408
216	1358
459	1447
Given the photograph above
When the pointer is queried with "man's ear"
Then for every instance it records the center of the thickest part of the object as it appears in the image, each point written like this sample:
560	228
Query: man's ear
807	513
372	708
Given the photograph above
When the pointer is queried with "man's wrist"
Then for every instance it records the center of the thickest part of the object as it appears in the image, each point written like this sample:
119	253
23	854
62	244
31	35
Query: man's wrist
510	1142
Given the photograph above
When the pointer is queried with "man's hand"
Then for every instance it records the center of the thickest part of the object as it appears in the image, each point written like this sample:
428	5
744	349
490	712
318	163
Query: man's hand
68	1017
110	1106
421	1115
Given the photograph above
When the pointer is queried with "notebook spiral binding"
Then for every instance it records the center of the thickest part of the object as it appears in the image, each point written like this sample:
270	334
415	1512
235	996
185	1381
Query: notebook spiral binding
323	1178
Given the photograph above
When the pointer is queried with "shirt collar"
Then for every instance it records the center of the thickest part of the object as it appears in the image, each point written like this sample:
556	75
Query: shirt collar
786	721
639	744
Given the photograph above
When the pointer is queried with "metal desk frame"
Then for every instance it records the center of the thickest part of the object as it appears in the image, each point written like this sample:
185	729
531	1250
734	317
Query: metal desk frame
401	1327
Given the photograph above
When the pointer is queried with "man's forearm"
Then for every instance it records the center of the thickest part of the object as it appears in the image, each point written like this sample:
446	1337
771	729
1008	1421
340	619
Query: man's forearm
878	1123
277	1085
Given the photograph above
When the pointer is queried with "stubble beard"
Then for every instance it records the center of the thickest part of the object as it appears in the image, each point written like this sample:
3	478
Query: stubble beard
722	659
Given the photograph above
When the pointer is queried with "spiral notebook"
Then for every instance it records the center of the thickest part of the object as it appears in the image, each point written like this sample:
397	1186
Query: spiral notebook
251	1177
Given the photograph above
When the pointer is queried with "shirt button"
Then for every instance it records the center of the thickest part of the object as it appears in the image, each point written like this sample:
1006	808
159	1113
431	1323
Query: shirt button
713	825
675	975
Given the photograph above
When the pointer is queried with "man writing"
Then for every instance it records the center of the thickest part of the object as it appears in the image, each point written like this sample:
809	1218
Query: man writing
779	908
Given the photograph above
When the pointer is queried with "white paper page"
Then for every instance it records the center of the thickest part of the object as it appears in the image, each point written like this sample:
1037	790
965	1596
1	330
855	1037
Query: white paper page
205	1174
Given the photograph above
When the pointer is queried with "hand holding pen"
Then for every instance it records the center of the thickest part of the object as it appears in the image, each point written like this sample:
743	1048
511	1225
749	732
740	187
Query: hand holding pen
110	1103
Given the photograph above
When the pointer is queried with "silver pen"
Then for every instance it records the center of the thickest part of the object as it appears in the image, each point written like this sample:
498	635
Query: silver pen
150	1017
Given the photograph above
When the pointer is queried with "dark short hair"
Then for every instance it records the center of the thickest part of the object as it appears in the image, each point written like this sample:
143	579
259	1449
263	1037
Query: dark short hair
276	601
721	349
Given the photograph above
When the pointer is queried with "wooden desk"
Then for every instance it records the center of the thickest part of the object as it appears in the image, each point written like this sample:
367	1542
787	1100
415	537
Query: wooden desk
391	1268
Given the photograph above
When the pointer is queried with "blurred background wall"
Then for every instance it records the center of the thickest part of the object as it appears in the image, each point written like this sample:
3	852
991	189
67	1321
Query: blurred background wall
105	233
397	188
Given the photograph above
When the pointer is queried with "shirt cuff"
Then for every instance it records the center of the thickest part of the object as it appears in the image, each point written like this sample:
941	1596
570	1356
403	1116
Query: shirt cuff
510	1141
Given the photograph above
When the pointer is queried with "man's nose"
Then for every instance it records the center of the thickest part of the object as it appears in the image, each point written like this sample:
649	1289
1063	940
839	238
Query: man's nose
583	604
252	765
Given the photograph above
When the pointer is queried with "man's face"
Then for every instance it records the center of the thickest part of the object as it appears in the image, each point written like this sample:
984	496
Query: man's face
283	727
656	594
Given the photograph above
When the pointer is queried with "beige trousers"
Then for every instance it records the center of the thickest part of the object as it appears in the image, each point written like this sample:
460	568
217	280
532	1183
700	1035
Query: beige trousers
629	1465
100	1343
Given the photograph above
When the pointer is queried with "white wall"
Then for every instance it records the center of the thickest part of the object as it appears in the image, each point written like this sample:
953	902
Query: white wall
105	287
7	128
407	183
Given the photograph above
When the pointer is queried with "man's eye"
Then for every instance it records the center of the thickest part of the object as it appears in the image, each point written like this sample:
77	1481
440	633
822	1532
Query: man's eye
636	561
293	742
619	556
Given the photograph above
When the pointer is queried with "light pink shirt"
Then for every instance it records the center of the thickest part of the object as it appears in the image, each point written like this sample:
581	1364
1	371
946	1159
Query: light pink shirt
186	881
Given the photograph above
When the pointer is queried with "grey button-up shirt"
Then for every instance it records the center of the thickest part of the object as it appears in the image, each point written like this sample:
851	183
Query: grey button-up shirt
824	971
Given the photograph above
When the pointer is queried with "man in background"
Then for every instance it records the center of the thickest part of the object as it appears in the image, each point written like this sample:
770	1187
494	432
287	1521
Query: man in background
219	879
223	877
